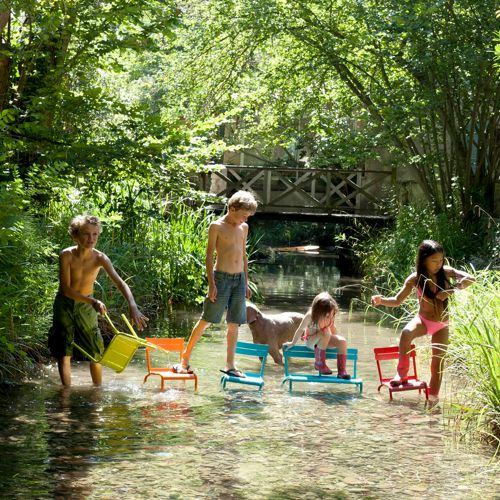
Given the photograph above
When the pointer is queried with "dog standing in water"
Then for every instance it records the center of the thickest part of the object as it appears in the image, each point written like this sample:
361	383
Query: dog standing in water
272	329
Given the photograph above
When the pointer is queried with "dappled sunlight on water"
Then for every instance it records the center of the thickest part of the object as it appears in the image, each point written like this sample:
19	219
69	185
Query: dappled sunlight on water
128	440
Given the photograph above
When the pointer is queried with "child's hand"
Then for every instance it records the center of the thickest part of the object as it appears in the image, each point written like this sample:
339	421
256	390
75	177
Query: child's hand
376	300
137	318
248	293
212	293
99	307
444	294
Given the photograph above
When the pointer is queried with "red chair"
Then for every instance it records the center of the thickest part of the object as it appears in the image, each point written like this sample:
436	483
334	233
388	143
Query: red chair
389	353
167	372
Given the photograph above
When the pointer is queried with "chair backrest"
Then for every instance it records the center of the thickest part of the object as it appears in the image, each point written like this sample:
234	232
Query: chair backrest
255	350
392	352
120	352
171	345
302	351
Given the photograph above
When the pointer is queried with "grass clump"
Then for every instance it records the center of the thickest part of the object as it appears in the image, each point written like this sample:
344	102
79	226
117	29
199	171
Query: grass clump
474	357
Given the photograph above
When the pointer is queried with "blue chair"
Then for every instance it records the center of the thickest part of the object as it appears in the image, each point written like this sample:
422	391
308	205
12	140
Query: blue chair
251	378
303	352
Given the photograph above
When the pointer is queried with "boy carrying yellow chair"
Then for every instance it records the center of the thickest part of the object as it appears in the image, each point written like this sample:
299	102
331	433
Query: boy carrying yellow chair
123	347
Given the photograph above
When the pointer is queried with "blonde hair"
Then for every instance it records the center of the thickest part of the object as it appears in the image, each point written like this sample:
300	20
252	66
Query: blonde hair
242	200
80	220
323	304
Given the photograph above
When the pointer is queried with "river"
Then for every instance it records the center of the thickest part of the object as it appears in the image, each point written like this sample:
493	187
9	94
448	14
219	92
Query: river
127	440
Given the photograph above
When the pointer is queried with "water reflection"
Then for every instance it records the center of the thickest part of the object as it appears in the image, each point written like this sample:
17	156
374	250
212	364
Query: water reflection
293	279
72	417
128	440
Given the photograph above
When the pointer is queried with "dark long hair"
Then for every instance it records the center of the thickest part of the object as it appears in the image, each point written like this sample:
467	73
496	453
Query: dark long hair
426	249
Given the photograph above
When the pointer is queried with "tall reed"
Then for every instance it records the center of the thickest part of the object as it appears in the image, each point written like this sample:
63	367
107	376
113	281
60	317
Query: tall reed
387	255
159	249
474	357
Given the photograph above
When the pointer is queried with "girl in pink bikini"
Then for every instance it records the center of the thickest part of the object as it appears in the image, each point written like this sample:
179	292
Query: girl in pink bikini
318	331
434	282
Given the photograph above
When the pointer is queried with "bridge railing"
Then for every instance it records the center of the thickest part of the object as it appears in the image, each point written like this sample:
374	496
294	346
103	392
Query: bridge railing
304	190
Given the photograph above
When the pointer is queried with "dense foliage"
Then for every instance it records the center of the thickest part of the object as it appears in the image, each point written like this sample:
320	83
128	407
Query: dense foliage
388	255
156	254
26	284
335	83
82	131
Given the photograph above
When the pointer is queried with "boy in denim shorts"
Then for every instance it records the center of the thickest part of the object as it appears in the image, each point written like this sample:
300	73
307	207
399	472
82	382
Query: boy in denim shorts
227	278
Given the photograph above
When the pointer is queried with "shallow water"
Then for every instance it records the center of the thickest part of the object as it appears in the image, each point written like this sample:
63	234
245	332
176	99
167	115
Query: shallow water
128	440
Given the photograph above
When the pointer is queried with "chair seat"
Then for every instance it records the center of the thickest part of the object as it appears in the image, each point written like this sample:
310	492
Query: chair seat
169	374
321	379
249	379
412	384
119	352
259	354
171	345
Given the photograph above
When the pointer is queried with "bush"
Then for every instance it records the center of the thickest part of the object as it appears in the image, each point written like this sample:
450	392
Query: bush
388	255
474	356
28	281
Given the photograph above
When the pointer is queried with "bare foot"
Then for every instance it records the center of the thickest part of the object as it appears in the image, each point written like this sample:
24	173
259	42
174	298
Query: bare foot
179	368
432	401
398	380
233	372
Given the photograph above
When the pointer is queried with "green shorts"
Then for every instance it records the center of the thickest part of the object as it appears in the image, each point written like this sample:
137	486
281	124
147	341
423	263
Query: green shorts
74	322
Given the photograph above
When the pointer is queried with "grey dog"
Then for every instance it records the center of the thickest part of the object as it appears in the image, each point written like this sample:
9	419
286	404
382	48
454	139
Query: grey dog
272	329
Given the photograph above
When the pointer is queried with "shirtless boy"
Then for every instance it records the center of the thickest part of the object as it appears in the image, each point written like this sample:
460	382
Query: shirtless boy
75	308
227	278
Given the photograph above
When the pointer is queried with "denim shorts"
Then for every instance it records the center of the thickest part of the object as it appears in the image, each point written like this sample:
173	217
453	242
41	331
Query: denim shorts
231	295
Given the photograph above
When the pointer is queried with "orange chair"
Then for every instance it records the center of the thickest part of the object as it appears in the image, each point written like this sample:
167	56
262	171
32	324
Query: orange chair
389	353
167	373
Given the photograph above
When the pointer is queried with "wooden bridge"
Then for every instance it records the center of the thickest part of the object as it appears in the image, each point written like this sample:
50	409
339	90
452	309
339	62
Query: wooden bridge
303	193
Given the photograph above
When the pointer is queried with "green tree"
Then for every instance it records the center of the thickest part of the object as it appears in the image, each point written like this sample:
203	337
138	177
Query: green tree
57	118
416	78
83	127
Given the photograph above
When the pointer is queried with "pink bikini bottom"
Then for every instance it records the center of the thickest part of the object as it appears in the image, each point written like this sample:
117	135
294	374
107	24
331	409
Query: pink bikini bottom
433	326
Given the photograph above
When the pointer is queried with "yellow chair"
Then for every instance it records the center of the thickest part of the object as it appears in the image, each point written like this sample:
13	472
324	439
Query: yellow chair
120	350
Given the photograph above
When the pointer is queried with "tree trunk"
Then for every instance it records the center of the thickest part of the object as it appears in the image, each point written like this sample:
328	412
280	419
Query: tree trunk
5	60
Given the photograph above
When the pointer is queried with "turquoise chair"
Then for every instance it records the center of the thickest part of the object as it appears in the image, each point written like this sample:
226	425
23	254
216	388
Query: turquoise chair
251	378
303	352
